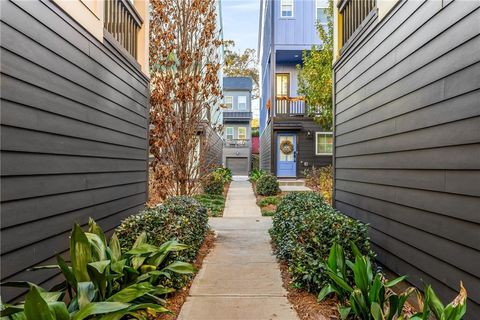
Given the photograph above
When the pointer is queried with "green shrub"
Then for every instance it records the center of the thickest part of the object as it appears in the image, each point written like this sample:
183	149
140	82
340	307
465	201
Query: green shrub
213	183
214	203
179	218
304	228
267	185
225	173
101	280
256	174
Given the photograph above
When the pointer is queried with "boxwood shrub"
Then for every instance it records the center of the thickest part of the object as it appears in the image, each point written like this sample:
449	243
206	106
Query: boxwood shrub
267	185
304	228
181	218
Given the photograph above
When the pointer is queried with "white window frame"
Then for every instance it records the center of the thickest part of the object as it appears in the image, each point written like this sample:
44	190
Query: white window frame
282	3
243	129
318	6
242	103
316	143
227	134
226	103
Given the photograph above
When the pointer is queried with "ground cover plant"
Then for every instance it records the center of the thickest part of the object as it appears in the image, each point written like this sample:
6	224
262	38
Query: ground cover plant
268	204
181	218
303	230
213	203
267	185
102	282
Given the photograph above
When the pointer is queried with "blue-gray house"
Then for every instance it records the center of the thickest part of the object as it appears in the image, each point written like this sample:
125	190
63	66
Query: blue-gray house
237	115
290	141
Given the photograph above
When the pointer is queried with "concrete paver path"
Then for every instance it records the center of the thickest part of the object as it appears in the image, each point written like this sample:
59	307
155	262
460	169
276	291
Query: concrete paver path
240	278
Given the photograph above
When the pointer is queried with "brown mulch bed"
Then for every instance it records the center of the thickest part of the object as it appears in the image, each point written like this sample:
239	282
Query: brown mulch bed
305	303
176	300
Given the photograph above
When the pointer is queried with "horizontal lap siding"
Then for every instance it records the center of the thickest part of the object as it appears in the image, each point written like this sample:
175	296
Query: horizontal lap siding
73	136
407	134
306	153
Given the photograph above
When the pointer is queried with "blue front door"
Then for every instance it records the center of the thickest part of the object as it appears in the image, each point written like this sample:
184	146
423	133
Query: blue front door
286	155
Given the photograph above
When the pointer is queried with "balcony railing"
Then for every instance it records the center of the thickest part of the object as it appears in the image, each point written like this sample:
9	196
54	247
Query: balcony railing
237	115
353	13
237	143
290	106
123	22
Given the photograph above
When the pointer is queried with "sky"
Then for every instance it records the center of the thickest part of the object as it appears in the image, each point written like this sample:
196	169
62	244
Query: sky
240	24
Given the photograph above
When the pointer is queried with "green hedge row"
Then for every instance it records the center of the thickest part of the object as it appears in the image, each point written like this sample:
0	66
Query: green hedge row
304	228
179	218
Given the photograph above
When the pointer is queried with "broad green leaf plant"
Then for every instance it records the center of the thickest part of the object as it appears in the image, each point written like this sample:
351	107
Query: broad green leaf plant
101	282
370	297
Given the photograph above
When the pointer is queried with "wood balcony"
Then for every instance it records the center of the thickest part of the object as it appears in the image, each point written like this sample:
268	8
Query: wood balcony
123	22
237	143
290	107
353	13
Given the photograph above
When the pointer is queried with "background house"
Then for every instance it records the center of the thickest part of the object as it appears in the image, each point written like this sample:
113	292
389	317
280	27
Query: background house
74	121
287	28
237	114
407	136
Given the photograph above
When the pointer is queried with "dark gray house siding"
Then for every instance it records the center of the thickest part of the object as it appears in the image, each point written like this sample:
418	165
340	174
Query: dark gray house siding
305	128
213	145
407	134
74	115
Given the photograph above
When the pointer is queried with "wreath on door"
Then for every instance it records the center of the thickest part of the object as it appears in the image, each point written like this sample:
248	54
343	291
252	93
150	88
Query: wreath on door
286	146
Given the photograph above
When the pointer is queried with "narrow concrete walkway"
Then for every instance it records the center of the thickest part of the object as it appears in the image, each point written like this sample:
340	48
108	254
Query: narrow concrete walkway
241	201
240	278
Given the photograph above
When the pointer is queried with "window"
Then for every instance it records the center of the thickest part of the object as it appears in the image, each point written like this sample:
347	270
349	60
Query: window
282	84
324	143
242	133
229	133
321	11
286	8
242	102
229	102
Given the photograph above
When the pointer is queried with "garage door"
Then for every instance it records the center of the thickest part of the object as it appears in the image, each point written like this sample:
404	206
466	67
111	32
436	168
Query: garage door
239	166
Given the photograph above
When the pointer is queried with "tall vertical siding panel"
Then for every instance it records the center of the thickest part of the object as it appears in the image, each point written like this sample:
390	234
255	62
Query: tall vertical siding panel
407	133
73	136
265	149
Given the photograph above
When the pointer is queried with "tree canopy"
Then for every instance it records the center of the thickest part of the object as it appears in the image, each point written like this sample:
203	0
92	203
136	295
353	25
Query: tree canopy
315	75
241	64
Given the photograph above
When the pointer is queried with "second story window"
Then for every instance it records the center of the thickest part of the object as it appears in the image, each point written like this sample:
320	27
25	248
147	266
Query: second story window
286	8
229	102
321	11
242	103
229	133
242	133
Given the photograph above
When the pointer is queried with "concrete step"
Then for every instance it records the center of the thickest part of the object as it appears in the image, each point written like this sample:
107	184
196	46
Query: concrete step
291	182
